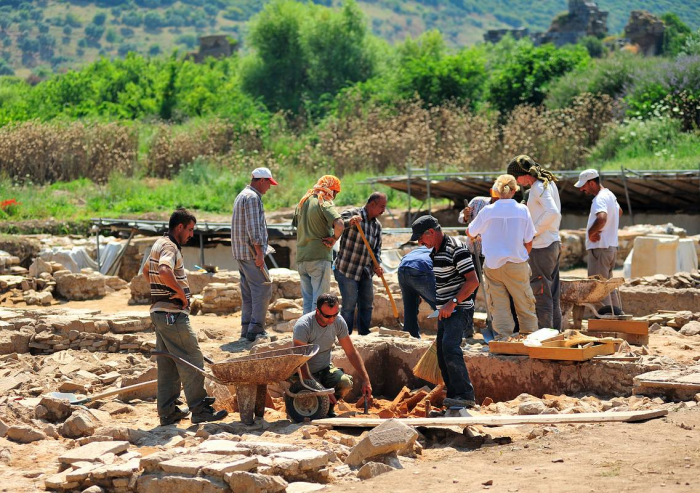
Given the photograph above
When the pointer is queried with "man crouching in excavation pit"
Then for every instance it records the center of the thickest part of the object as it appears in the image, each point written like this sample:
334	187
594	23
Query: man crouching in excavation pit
323	327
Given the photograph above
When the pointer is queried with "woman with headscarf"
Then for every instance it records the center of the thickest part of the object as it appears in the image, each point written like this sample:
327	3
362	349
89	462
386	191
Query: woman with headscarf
319	226
545	210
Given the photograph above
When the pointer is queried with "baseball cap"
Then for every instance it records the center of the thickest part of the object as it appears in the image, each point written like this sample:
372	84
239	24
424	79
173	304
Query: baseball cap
421	225
264	173
586	175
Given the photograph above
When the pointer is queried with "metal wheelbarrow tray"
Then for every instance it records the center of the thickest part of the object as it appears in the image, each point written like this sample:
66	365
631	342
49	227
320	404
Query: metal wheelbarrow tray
586	292
250	375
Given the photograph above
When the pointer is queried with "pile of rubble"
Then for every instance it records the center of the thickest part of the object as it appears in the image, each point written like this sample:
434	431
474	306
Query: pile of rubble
49	331
683	322
9	264
680	280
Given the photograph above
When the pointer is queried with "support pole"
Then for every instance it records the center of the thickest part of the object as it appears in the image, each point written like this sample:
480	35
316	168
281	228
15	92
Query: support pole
201	249
627	195
408	192
427	185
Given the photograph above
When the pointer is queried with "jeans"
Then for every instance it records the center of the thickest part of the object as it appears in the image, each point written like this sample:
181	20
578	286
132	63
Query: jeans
544	281
450	355
180	340
358	294
256	297
315	276
415	284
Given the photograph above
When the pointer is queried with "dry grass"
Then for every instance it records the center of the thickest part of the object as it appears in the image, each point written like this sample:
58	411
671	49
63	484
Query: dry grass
49	152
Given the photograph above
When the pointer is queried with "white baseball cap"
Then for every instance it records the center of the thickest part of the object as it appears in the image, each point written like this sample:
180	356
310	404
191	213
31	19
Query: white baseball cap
586	175
264	173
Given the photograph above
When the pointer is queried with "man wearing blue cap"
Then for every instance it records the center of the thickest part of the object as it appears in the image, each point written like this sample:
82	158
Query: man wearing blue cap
455	283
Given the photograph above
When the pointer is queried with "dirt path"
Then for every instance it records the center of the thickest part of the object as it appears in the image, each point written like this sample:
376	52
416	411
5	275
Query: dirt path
658	455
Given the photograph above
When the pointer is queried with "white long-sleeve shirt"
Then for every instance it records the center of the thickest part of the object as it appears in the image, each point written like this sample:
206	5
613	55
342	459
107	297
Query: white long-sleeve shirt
545	210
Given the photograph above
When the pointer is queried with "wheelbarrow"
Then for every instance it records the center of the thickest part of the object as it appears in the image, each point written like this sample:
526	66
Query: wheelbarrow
578	293
249	376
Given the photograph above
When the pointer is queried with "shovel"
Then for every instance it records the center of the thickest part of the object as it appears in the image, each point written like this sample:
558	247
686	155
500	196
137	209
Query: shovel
73	399
376	266
268	281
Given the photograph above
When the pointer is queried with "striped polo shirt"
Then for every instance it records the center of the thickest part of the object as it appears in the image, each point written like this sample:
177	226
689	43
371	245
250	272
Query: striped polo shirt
166	251
451	262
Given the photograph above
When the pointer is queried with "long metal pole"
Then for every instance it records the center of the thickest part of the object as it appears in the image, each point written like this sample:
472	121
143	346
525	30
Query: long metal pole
627	195
427	184
408	192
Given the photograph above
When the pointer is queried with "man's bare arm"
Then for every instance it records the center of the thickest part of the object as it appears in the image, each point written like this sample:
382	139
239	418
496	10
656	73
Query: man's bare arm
357	363
168	277
528	246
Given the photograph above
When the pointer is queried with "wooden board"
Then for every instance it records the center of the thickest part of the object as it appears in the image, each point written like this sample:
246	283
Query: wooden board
501	347
640	327
499	420
633	339
555	351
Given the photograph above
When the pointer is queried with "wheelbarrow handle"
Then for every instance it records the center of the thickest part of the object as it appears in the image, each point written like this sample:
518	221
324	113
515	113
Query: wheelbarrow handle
187	363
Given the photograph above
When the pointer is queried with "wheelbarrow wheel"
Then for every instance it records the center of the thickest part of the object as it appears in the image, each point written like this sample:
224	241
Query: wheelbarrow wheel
306	404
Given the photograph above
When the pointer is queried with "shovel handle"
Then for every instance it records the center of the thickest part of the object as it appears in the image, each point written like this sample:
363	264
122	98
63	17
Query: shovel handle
376	265
262	268
120	390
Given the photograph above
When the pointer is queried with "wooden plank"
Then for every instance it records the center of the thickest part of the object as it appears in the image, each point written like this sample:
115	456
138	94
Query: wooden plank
633	339
557	351
500	420
640	327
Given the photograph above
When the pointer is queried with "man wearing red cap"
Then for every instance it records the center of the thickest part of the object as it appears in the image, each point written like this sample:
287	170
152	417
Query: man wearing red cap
248	235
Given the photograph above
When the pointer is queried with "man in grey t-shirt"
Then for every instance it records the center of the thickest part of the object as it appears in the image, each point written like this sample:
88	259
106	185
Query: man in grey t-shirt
323	327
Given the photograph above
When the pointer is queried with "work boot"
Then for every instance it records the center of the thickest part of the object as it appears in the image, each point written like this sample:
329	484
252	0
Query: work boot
331	412
208	414
174	417
207	401
457	402
259	335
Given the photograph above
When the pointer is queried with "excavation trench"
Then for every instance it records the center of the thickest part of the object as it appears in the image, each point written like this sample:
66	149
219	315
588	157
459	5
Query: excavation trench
389	364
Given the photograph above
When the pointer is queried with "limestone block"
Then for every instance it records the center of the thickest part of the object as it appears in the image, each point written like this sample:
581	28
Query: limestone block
307	459
691	329
390	436
93	452
219	469
15	342
39	266
159	483
140	291
57	409
373	469
532	407
80	424
59	482
24	434
223	447
280	304
81	286
144	393
255	483
291	313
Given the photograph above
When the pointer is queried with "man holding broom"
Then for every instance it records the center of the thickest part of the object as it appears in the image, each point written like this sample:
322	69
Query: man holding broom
455	284
353	267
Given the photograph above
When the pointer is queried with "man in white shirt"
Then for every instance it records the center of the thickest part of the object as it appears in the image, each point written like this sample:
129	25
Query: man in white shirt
601	230
507	232
545	210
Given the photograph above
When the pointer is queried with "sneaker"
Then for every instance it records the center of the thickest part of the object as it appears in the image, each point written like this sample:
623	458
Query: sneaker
457	402
174	417
208	414
259	335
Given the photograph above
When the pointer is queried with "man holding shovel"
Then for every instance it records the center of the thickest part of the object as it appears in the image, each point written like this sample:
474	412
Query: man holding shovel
170	295
354	266
249	246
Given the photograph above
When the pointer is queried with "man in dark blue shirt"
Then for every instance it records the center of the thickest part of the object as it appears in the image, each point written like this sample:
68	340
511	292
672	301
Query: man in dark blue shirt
417	280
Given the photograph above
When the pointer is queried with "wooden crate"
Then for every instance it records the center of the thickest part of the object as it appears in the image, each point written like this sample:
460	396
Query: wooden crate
556	350
638	327
501	347
633	339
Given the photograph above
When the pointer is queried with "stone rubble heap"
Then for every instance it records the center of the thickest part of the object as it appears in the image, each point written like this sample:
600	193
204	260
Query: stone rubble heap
680	280
683	322
46	332
9	264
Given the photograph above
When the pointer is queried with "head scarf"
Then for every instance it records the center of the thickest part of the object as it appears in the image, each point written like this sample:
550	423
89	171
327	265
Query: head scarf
525	165
324	188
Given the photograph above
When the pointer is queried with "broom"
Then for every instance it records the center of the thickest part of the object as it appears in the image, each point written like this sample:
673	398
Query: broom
427	367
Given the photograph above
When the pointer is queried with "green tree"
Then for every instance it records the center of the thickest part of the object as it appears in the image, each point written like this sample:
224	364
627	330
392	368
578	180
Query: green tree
111	36
675	34
99	19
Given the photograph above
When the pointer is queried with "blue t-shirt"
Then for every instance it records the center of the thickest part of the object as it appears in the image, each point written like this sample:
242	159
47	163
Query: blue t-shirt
419	259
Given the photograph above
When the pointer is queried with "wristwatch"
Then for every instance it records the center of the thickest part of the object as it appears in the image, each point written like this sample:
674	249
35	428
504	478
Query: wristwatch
454	300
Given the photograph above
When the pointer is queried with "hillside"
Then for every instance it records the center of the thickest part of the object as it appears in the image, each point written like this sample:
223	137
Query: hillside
40	36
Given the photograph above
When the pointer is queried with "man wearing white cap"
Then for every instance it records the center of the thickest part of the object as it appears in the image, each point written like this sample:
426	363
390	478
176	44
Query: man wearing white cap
601	230
248	235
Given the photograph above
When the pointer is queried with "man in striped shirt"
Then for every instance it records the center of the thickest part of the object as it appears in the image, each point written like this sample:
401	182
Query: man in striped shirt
170	309
249	245
455	284
354	267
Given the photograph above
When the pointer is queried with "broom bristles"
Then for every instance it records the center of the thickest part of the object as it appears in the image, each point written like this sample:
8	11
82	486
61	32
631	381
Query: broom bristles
428	368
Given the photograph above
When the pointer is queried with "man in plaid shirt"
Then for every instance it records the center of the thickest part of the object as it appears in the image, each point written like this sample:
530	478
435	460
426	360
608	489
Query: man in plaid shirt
353	267
248	235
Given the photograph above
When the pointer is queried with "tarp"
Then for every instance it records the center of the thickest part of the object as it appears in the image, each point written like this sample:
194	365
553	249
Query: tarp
76	258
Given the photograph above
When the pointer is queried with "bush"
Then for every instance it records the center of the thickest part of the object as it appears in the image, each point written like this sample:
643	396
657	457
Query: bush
45	153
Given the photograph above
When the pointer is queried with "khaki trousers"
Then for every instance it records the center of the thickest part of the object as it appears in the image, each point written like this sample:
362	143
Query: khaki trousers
514	280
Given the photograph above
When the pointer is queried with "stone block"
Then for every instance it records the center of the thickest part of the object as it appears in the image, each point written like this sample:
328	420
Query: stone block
93	451
219	469
373	469
223	447
24	434
291	313
304	487
80	424
255	483
188	464
691	329
59	482
159	483
57	409
531	407
390	436
308	459
116	470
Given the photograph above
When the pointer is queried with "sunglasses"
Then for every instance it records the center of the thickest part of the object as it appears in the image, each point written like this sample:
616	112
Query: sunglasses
327	316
